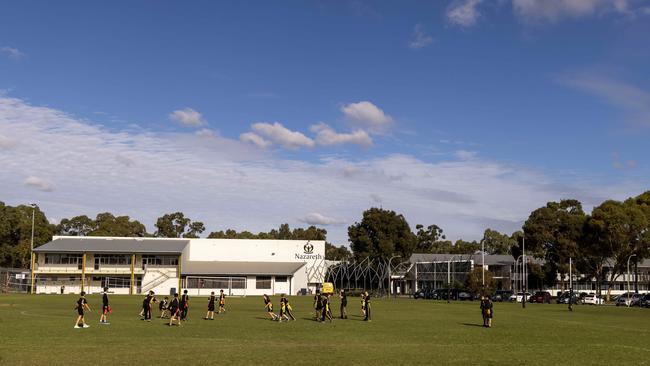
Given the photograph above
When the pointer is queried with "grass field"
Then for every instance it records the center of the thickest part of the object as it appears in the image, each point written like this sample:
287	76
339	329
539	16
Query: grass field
38	330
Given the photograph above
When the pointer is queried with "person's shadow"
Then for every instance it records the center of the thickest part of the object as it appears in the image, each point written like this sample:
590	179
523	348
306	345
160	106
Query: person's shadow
471	325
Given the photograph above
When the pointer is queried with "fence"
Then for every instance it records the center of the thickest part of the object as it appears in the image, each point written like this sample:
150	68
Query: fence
15	280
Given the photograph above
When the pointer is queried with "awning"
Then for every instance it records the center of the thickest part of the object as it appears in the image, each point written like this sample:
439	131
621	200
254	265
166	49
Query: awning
230	268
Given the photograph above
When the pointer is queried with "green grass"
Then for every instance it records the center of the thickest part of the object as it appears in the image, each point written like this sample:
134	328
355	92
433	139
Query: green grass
37	330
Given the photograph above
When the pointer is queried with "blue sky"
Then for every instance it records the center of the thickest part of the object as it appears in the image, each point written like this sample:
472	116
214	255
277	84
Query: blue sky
466	113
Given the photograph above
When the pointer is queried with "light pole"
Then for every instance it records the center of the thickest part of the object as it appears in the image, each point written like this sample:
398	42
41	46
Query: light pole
390	277
628	278
483	266
571	286
523	253
31	250
449	278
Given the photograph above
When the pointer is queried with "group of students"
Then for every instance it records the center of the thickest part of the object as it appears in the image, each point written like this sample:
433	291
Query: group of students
322	307
286	311
487	311
176	310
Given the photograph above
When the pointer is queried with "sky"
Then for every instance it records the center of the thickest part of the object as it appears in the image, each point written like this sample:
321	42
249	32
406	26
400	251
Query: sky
468	114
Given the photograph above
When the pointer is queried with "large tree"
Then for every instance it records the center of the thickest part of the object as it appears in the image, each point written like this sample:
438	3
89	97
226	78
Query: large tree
496	243
176	225
16	232
474	282
381	234
553	232
336	253
428	237
105	224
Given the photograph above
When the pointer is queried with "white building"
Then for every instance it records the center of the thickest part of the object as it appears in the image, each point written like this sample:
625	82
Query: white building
137	265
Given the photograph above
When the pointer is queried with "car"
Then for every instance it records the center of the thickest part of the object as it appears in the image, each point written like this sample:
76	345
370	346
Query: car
564	298
541	297
423	294
592	299
464	295
519	297
501	295
645	301
628	299
443	294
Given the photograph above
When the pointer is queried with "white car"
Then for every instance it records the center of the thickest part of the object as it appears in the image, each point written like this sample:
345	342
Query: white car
592	299
519	297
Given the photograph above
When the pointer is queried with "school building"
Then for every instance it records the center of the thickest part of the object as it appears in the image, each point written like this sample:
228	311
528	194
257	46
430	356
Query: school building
71	264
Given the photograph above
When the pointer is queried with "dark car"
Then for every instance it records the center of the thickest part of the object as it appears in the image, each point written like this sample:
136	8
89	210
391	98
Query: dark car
564	298
423	294
501	295
464	296
444	294
645	301
541	297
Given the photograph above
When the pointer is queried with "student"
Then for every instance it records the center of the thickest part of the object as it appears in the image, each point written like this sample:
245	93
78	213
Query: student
147	304
363	304
268	305
82	304
326	313
366	306
222	302
184	305
210	314
344	304
486	311
319	305
106	309
283	309
174	311
163	307
289	310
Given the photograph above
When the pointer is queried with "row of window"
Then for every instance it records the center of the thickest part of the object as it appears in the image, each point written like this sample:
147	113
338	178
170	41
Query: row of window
63	258
216	283
112	259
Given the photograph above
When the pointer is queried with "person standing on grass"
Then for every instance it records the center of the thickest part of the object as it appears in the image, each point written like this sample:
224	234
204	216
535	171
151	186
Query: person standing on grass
288	309
210	314
363	304
268	305
163	306
82	304
185	305
486	310
174	311
326	308
283	309
317	305
222	302
366	305
106	309
344	304
147	305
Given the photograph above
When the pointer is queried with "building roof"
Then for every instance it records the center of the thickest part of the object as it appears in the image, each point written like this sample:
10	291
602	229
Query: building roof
490	259
113	245
241	268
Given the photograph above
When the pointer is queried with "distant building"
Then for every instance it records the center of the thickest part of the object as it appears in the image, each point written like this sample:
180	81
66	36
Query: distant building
138	265
438	270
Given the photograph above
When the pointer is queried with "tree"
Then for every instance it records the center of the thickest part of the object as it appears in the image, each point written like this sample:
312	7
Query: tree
496	243
176	225
76	226
283	233
465	247
474	281
553	233
105	224
427	238
336	253
16	231
381	234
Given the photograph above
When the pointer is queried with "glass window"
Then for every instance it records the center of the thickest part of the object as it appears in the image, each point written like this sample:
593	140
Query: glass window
280	278
263	282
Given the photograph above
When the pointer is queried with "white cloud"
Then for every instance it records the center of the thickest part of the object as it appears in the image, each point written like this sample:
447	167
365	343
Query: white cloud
465	154
420	38
252	138
205	132
326	136
39	183
187	117
281	135
535	11
634	101
12	53
315	218
145	174
6	142
368	115
463	13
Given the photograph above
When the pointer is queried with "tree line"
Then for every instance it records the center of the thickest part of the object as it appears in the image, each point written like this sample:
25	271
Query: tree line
599	243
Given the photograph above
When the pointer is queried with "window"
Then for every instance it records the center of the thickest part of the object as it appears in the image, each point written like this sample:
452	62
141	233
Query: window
116	282
281	279
112	259
63	258
238	283
263	282
160	260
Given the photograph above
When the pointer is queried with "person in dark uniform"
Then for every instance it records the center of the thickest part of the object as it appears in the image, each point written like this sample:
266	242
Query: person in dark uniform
363	304
268	305
486	311
222	302
366	305
210	314
106	308
174	311
283	309
147	305
344	304
185	305
317	300
82	304
162	306
326	313
288	309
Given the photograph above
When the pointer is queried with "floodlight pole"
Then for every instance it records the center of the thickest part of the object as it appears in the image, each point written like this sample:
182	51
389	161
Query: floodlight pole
628	279
31	250
571	286
483	266
523	270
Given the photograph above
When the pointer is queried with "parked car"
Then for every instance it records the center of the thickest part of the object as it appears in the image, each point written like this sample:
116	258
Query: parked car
464	296
645	301
426	293
501	295
541	297
564	298
443	293
628	299
592	299
519	297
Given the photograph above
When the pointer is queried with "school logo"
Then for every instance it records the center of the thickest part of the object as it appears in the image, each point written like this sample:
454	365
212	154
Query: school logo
308	248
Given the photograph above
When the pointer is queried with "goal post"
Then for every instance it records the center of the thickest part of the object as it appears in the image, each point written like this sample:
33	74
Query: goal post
203	286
